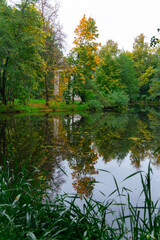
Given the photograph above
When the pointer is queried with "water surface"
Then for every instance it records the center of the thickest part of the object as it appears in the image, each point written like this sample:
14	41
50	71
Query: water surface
77	152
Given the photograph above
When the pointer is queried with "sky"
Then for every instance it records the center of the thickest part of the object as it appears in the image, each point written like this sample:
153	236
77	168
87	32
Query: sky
119	20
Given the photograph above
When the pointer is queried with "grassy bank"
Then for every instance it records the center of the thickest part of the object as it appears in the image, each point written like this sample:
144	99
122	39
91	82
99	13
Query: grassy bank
24	214
39	106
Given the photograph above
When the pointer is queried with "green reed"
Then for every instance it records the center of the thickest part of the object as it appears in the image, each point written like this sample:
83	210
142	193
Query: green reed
26	212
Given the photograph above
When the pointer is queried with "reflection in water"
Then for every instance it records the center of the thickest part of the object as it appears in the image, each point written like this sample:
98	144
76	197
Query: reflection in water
82	158
48	140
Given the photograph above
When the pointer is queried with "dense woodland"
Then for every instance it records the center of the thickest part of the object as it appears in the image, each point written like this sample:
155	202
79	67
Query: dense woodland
31	56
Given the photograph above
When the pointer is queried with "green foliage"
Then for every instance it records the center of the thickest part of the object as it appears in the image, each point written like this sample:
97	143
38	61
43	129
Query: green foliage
118	98
128	77
154	90
31	43
94	105
145	61
31	55
116	78
52	56
107	74
130	73
141	54
110	47
84	57
22	40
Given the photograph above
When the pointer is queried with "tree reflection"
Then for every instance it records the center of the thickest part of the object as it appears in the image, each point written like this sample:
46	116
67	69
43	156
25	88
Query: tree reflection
154	125
118	135
47	140
140	144
111	137
82	158
33	139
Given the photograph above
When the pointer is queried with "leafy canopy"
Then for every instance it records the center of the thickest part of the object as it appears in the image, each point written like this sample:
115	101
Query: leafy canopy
84	56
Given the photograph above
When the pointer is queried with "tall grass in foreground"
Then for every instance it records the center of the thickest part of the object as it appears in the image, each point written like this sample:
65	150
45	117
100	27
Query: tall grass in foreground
25	215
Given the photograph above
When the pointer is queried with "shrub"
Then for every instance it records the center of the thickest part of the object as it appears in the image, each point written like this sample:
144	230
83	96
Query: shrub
118	98
94	105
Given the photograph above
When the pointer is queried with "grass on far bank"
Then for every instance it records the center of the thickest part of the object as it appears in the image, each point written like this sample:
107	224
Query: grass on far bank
24	214
38	105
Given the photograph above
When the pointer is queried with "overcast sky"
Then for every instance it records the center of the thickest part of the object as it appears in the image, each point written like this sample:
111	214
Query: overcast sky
119	20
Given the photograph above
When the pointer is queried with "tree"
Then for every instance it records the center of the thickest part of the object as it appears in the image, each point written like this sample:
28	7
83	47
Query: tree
145	62
110	47
107	74
22	40
84	57
154	90
52	56
116	75
128	76
53	45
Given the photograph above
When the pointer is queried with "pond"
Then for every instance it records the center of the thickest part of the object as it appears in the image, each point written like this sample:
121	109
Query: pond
80	153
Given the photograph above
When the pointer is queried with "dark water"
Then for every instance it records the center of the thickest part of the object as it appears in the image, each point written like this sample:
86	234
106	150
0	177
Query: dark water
73	149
